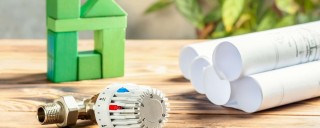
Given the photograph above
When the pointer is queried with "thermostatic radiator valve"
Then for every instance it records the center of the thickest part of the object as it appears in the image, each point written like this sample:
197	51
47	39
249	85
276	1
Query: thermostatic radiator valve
117	106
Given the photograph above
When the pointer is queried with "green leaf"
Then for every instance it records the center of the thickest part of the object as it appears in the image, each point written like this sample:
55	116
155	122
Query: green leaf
220	1
288	6
309	6
268	21
306	6
231	10
302	18
243	19
161	4
213	15
220	27
286	21
241	31
262	6
191	10
219	32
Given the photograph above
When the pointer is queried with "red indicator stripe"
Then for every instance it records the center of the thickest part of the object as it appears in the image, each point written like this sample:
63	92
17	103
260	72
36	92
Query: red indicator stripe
114	107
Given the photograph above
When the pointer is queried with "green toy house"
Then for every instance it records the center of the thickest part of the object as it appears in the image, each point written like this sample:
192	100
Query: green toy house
64	19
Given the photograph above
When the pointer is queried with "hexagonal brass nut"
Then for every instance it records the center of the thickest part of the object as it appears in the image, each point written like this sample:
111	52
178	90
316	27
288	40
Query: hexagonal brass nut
71	110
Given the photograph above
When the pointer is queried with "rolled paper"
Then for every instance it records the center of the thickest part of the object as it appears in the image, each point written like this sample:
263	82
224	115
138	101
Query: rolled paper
269	50
190	52
278	87
198	67
232	103
217	89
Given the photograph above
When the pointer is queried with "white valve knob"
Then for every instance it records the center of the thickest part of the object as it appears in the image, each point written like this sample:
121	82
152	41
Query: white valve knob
129	105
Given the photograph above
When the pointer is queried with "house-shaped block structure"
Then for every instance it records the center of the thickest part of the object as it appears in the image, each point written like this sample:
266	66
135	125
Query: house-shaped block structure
65	18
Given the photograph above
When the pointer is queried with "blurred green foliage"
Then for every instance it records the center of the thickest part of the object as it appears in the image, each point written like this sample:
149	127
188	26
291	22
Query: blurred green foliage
220	18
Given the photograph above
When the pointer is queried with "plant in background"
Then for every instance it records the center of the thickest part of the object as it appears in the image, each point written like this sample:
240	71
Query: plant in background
221	18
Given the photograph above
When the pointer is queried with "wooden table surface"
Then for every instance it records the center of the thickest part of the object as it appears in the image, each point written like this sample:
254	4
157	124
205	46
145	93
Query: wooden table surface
23	86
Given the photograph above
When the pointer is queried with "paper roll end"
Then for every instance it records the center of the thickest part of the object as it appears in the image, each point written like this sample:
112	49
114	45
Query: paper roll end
217	90
197	69
187	55
227	59
249	95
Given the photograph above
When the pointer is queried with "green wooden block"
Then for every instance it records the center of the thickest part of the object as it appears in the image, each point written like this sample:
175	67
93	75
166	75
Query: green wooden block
110	43
63	20
63	9
62	56
81	24
50	68
101	8
89	65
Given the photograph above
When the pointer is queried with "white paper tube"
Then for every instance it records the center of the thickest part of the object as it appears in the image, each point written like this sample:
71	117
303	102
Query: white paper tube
232	103
198	67
190	52
217	89
268	50
278	87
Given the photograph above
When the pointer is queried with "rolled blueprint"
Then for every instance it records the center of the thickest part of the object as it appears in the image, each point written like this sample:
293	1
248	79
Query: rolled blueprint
205	80
268	50
278	87
190	52
197	69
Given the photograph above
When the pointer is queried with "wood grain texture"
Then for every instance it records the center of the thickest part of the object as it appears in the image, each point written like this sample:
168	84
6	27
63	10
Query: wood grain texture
23	86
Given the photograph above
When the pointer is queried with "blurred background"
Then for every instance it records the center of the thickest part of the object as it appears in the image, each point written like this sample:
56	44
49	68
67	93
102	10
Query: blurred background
172	19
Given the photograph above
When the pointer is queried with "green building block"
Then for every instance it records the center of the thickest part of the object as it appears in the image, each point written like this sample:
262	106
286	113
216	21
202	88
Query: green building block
62	56
110	43
63	21
89	65
101	8
81	24
62	46
63	9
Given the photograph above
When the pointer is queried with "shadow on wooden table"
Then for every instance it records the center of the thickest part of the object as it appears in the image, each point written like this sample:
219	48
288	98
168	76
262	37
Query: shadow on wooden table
80	124
85	124
179	79
195	103
15	78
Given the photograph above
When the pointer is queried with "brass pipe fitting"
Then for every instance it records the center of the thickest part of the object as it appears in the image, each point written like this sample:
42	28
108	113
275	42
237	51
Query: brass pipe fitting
64	111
